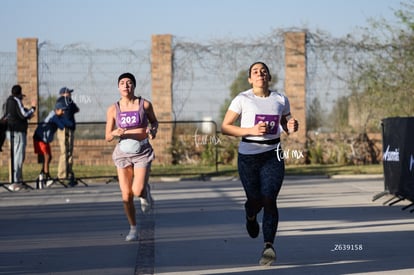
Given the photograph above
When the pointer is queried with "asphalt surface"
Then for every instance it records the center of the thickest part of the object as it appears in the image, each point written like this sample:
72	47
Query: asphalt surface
327	226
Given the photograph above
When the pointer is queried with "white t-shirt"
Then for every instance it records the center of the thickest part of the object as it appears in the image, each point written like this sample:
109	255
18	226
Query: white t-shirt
253	109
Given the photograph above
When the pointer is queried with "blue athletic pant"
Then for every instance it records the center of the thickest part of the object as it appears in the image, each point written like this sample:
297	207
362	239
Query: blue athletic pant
262	176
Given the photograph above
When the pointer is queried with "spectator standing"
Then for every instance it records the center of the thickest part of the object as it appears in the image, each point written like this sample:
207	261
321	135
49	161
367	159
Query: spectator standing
17	123
66	136
44	134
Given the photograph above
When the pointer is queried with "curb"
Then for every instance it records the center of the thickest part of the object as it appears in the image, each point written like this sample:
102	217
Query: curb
361	176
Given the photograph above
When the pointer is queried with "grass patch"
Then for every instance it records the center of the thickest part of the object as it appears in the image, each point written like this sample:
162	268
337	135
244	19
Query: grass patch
31	171
334	169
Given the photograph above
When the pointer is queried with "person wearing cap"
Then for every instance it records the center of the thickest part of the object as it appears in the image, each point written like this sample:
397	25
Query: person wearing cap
18	118
44	134
132	120
66	136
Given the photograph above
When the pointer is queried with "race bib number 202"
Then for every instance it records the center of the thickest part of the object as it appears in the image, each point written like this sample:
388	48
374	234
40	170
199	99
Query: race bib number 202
129	119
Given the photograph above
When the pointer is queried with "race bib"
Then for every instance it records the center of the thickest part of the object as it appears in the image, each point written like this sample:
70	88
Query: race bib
129	119
272	122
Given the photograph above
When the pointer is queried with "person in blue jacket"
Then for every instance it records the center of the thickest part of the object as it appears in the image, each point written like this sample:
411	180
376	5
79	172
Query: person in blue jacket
44	134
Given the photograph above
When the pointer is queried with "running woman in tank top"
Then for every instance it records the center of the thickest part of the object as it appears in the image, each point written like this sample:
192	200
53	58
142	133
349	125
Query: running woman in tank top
132	120
263	114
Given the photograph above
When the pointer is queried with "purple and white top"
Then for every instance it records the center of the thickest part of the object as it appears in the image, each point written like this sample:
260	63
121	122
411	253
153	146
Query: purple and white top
131	119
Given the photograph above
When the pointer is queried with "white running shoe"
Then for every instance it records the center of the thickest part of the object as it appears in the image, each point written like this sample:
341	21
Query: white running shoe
15	187
268	255
146	203
132	235
49	182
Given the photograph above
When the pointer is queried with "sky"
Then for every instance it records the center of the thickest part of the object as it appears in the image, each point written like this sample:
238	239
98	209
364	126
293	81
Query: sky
129	24
108	24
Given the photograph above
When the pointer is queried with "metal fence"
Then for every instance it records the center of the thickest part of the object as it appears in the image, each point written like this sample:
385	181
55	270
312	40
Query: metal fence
92	73
196	146
202	76
203	73
7	74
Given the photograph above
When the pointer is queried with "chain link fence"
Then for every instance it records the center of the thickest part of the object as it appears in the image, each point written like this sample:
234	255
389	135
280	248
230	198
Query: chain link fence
92	73
202	75
8	75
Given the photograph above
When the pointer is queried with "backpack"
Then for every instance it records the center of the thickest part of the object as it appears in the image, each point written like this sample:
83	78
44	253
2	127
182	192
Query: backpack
3	126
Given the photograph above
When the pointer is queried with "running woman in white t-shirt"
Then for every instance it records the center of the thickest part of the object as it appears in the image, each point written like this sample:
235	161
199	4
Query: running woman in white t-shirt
263	114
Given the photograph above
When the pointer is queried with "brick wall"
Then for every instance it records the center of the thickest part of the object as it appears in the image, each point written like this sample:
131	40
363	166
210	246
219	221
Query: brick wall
90	152
27	73
295	82
162	100
86	151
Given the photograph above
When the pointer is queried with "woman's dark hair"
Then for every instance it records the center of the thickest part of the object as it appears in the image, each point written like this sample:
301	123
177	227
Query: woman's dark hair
264	65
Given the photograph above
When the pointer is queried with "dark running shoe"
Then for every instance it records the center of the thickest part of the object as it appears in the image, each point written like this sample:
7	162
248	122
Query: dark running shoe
268	255
252	227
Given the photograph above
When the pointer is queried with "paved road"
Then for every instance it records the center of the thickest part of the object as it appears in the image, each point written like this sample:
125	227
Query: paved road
327	226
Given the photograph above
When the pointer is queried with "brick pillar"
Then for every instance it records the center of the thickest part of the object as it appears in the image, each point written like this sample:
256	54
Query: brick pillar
162	100
27	72
295	82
